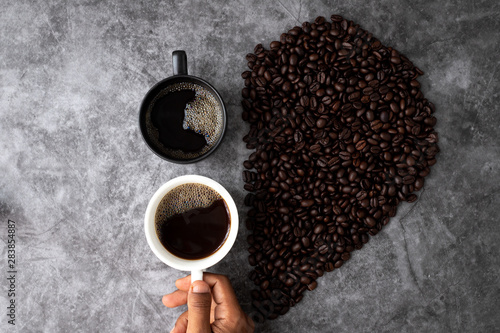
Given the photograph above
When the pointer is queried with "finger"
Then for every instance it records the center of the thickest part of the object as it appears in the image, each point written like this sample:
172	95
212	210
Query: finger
199	305
250	322
222	290
181	324
175	299
222	293
183	283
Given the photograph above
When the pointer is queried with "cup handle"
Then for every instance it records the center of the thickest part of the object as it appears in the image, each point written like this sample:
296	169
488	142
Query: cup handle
179	62
196	275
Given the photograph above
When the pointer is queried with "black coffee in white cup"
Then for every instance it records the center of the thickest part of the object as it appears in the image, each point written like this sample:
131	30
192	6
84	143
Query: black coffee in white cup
191	247
192	221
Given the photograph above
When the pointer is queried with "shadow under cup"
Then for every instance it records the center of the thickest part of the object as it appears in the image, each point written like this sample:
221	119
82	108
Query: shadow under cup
200	112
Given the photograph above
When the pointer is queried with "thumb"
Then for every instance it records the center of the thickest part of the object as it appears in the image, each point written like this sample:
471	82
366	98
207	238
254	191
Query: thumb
199	304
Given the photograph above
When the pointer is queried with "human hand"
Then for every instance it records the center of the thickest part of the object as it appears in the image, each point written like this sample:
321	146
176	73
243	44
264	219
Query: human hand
212	306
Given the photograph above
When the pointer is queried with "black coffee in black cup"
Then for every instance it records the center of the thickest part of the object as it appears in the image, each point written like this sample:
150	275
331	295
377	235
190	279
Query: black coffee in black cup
182	118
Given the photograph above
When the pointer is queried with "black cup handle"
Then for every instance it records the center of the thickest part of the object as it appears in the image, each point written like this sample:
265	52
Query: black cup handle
179	61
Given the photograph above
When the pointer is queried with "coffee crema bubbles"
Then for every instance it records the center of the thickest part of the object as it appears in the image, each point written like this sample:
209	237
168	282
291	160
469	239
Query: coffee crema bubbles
184	120
341	134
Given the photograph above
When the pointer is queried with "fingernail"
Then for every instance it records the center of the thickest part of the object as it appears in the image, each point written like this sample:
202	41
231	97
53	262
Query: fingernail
200	287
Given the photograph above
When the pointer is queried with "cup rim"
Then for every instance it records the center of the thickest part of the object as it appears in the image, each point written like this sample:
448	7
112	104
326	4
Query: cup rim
167	257
143	108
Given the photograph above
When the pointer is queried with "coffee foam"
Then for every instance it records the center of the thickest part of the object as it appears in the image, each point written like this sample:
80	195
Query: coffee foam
183	198
203	115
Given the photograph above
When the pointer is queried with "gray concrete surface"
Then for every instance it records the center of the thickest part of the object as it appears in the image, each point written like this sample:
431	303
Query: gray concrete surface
76	176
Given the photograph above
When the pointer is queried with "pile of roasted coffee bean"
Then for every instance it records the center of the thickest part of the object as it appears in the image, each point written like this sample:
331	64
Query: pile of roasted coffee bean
341	134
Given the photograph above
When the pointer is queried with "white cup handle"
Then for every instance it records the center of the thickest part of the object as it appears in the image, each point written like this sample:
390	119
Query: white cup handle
196	275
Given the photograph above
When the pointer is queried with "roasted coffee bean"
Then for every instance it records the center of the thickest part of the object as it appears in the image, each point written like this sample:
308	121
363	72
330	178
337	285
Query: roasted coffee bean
341	134
376	125
374	97
408	180
319	228
394	107
329	267
315	148
321	122
287	86
339	86
354	96
304	101
275	45
360	145
306	203
312	285
345	155
384	116
411	197
296	247
322	162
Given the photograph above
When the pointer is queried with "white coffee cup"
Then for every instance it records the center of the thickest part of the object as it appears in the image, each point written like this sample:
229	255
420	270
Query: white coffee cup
199	265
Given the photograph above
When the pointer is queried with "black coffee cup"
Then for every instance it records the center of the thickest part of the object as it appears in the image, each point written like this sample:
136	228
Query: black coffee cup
182	118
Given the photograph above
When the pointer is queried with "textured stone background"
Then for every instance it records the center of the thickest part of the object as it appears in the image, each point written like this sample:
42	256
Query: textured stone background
76	176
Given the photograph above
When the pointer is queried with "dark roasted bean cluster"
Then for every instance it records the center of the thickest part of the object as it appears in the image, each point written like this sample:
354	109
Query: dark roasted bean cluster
341	134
